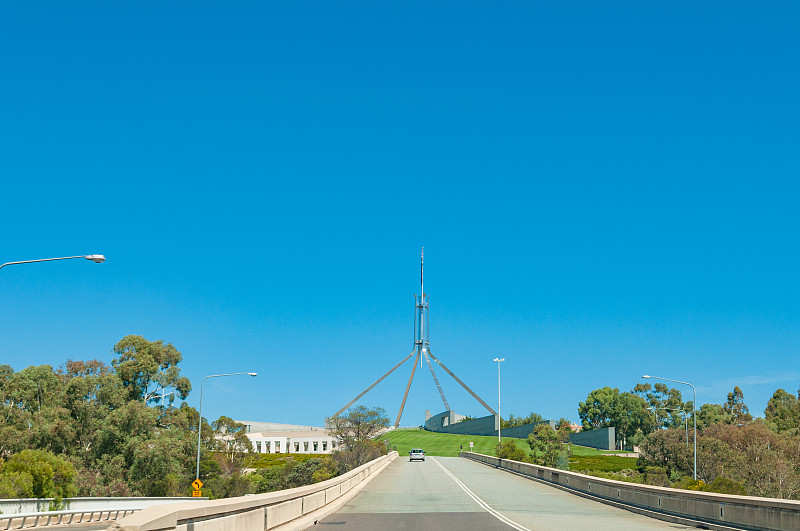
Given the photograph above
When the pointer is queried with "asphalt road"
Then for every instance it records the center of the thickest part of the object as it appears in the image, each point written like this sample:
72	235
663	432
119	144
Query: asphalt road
451	493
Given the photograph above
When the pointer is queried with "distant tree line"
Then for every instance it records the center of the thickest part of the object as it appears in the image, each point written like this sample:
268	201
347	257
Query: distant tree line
92	429
735	453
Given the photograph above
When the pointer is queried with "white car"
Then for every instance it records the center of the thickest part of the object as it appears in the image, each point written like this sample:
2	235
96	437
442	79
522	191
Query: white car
416	453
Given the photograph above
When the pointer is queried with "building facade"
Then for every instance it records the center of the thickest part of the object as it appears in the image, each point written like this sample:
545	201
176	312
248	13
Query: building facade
274	438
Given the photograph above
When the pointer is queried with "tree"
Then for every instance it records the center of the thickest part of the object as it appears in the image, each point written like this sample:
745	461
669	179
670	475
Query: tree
564	429
231	440
783	413
667	449
736	409
710	414
608	407
148	367
354	433
596	412
666	403
50	476
767	465
545	441
360	424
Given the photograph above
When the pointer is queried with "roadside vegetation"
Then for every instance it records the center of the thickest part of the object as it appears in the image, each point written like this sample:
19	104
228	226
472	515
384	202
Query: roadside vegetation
92	429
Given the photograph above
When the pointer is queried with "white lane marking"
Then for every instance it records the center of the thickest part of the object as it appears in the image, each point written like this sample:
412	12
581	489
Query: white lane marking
483	504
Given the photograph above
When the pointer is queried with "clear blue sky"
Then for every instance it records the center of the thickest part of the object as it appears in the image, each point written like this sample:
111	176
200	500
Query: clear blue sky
602	190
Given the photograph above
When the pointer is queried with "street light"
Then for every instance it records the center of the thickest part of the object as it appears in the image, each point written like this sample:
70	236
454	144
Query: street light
96	258
685	418
499	418
694	412
200	411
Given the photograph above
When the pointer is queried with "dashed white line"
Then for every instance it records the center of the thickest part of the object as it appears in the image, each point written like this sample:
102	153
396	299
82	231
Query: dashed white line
483	504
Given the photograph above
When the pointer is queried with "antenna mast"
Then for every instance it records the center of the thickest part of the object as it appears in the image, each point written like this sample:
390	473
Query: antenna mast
423	351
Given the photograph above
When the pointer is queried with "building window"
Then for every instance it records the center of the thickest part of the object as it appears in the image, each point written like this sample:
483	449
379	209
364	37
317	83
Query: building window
296	446
324	446
316	446
258	446
278	446
305	446
267	443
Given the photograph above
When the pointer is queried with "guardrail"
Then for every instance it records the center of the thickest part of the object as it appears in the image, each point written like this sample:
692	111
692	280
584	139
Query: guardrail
39	505
700	509
281	509
46	518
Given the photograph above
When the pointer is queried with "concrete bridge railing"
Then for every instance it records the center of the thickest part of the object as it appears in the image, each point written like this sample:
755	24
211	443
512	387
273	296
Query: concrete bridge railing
37	505
711	510
258	512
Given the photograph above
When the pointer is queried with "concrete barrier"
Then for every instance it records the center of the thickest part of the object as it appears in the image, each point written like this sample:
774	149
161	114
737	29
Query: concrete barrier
709	510
251	513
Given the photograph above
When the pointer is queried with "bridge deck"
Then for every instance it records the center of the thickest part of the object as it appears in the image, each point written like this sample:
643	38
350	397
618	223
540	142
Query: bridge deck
448	493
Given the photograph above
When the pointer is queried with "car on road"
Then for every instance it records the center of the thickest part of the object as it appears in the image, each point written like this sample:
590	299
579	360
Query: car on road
416	453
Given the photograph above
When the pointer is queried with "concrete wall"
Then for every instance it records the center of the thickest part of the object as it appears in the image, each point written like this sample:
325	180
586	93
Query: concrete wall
523	431
713	511
251	513
603	438
447	422
37	505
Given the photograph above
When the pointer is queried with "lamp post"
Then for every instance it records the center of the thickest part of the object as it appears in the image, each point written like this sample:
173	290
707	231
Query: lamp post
96	258
499	418
694	412
685	418
200	411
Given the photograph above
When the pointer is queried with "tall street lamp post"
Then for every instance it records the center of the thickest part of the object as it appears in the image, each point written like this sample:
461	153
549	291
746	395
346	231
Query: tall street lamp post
694	412
96	258
200	411
499	418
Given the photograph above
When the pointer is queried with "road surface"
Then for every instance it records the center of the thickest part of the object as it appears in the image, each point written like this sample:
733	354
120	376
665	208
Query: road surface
452	493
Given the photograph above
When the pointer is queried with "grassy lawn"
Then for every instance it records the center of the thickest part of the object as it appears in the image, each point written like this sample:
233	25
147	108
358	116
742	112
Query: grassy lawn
605	463
447	444
442	444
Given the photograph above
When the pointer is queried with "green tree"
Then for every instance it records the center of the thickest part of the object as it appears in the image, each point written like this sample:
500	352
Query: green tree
783	413
360	424
231	441
51	476
606	407
736	409
710	414
665	403
354	433
546	442
148	367
768	460
597	411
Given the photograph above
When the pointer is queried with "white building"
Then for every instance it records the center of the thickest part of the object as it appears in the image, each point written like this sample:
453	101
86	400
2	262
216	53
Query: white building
274	438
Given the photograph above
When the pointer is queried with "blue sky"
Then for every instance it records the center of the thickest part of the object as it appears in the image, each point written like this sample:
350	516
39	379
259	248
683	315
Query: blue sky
602	190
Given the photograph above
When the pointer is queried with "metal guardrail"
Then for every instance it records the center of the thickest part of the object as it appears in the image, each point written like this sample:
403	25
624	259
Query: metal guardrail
47	518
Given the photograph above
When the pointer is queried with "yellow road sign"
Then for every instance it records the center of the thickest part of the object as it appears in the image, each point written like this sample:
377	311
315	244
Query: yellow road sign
197	484
197	493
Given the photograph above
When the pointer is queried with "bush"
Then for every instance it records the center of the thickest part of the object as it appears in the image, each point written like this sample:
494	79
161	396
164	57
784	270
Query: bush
39	474
631	476
720	485
509	450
